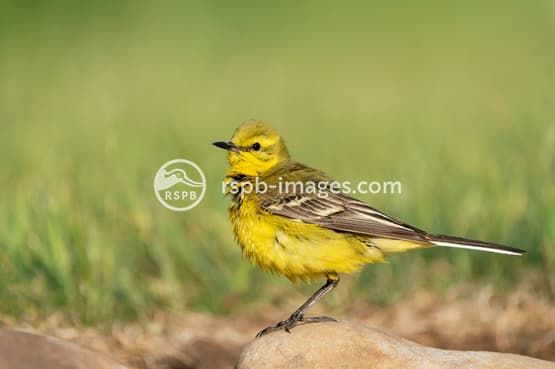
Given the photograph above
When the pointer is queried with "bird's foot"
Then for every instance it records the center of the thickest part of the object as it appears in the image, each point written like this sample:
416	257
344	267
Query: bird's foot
318	319
293	321
286	325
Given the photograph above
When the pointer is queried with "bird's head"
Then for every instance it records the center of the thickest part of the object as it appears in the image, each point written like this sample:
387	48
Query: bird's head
254	149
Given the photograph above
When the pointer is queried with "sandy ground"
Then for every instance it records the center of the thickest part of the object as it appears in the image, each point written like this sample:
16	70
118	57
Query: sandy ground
522	322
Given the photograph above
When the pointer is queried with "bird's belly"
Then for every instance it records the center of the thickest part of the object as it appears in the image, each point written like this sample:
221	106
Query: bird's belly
295	249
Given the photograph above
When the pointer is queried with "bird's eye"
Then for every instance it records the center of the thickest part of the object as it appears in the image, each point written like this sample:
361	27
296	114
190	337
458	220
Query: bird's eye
256	146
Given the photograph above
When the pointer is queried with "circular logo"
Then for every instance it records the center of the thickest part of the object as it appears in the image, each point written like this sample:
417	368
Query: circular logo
179	185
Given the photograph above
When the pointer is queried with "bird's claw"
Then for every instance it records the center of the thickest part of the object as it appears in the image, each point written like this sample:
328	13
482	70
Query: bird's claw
286	325
318	319
293	321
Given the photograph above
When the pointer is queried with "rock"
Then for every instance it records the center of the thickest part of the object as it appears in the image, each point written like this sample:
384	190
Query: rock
21	350
350	345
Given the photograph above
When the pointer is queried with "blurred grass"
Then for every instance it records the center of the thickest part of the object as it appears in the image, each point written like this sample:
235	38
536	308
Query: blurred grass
454	100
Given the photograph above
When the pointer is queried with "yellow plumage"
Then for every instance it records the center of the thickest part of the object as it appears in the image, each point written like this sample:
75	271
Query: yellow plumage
295	249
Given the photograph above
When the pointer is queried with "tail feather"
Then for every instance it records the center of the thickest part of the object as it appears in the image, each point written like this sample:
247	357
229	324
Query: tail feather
463	243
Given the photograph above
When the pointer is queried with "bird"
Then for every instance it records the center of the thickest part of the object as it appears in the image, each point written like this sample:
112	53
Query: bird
307	235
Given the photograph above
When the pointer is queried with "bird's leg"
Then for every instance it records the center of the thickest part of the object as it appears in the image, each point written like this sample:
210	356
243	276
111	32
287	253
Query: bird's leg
298	315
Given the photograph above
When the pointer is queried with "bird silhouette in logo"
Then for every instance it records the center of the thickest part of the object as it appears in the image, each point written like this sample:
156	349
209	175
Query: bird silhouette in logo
169	179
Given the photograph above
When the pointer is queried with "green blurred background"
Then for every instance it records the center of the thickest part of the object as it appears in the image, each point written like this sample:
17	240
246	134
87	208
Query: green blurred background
454	99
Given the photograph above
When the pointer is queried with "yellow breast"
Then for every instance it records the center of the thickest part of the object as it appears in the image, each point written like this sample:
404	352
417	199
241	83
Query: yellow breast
295	249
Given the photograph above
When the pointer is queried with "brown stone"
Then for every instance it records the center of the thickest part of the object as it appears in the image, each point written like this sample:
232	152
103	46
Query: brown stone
346	345
22	350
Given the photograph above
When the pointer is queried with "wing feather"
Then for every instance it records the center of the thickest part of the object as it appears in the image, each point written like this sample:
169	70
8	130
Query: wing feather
341	213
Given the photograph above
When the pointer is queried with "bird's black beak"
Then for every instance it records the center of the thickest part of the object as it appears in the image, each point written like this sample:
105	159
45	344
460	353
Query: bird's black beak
226	145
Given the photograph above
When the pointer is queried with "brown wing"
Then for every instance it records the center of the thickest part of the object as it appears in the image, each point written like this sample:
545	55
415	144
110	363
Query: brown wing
341	213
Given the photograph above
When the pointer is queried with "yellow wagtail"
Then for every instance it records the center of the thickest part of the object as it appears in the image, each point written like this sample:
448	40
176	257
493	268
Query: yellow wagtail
302	234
